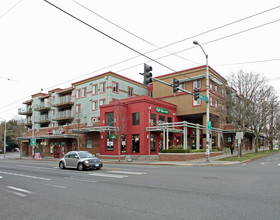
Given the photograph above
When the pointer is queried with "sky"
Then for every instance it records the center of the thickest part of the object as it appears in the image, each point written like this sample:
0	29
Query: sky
43	48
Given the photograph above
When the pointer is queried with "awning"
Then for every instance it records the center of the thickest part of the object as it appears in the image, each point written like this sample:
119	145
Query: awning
61	136
94	129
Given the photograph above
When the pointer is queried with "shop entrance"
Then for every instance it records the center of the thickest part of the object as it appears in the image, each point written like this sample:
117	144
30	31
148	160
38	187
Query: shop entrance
56	152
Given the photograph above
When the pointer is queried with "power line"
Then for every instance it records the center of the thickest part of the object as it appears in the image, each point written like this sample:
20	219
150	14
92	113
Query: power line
1	16
129	32
249	62
211	30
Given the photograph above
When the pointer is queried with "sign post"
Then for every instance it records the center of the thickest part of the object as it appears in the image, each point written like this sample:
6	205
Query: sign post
239	136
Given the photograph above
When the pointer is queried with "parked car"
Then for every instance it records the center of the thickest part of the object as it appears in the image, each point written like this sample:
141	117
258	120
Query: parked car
276	147
81	160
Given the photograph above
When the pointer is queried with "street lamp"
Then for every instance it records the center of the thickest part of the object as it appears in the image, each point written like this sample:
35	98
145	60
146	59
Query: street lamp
4	138
207	104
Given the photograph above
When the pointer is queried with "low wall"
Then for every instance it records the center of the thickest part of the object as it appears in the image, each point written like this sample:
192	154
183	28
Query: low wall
185	157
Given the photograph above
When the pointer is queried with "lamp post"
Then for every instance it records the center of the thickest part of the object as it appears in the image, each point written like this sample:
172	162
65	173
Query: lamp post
207	104
4	138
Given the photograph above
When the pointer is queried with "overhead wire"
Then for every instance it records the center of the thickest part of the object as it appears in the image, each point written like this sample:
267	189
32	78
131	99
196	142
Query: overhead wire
1	16
170	44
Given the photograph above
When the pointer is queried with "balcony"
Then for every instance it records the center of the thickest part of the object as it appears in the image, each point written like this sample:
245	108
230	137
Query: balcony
44	119
25	111
63	116
43	107
63	102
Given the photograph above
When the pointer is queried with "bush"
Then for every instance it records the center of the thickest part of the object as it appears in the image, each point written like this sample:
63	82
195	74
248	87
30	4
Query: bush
174	151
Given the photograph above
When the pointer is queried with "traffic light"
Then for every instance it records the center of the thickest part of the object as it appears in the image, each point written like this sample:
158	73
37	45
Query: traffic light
147	74
196	94
203	135
175	85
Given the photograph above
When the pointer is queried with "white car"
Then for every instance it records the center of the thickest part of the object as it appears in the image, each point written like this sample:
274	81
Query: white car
81	160
276	147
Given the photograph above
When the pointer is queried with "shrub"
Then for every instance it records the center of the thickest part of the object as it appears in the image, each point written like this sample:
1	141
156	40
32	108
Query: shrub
174	151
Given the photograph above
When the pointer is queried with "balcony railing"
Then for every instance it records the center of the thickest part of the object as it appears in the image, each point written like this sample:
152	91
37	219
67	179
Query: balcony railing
43	107
63	115
25	111
43	119
64	101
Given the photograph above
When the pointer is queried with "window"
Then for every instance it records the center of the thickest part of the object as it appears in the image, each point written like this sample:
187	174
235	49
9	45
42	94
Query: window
102	102
110	119
83	92
78	93
89	143
153	119
182	86
94	119
196	84
211	85
211	100
130	91
94	105
115	87
223	91
197	102
216	88
78	108
135	143
102	87
153	143
161	119
169	120
110	141
94	89
136	118
216	103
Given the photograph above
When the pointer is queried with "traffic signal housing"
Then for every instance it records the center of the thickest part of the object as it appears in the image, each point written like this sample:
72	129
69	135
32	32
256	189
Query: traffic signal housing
147	74
196	94
175	85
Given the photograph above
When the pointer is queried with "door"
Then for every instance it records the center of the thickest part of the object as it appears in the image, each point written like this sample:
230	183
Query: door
56	152
72	160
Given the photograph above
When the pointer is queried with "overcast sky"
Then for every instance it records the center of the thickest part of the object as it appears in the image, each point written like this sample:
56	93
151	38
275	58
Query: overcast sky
41	47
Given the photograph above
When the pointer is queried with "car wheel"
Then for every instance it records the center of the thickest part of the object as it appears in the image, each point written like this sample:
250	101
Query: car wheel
61	165
80	167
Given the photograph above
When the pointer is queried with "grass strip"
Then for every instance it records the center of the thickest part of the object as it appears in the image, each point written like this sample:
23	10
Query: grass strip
250	156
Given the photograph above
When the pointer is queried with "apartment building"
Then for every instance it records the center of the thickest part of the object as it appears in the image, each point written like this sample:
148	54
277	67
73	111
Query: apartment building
52	118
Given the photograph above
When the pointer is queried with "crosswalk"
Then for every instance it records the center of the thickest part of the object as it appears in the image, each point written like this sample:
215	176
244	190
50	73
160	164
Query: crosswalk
116	174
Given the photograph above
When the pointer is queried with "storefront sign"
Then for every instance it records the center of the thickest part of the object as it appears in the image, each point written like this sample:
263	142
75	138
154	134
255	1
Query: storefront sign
162	110
57	131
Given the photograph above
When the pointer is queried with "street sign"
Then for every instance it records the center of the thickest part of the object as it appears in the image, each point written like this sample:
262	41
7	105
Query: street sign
203	97
209	125
239	135
33	142
111	136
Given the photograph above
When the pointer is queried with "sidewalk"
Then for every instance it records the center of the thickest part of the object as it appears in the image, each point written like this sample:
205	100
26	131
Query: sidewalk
198	162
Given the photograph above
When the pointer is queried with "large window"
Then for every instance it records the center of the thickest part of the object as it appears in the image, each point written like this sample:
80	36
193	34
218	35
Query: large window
153	119
135	143
78	108
161	119
89	143
110	119
136	118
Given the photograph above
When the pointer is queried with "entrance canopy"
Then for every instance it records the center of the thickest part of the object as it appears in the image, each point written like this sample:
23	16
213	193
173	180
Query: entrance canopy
50	137
94	129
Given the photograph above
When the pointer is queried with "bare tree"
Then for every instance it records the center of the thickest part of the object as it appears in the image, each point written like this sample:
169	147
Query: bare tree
243	95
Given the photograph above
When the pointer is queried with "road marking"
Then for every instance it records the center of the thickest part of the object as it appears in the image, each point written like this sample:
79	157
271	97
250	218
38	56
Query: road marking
1	177
45	168
21	175
18	194
278	164
127	172
57	186
108	175
81	180
20	190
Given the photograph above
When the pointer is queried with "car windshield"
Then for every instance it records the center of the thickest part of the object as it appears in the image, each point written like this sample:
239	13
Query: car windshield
84	154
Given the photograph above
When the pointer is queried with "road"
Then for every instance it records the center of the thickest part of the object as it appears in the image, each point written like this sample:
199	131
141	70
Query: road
33	189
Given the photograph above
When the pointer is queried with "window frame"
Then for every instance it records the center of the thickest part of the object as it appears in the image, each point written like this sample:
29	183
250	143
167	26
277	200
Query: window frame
115	87
130	90
134	120
96	90
100	87
92	105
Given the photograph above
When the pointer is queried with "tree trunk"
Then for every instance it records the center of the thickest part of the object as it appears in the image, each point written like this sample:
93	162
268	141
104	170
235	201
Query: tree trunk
257	145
